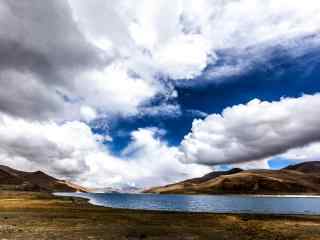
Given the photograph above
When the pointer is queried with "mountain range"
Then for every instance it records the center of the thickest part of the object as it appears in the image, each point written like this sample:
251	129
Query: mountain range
12	179
303	178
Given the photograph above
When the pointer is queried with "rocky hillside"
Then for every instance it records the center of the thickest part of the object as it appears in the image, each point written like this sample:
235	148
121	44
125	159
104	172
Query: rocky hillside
12	179
302	178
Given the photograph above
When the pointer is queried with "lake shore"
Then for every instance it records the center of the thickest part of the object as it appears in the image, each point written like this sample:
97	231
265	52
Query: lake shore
27	215
201	203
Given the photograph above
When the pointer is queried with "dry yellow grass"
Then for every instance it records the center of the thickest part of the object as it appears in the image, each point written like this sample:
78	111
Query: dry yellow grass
26	216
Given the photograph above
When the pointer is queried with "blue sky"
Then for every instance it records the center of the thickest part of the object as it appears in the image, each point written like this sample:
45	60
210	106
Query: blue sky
279	76
145	93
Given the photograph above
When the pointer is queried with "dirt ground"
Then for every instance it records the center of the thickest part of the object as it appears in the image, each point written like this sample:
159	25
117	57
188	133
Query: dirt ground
38	216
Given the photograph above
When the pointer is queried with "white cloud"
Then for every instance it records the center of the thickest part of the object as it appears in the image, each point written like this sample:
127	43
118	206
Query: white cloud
87	113
259	164
61	149
310	152
113	90
163	110
57	69
149	35
253	131
72	150
180	38
184	57
197	113
147	161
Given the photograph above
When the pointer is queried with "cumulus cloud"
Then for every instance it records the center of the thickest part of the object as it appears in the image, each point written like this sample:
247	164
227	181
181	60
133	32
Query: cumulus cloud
147	161
259	164
38	56
310	152
71	150
88	114
113	90
149	35
253	131
52	70
178	39
110	55
61	149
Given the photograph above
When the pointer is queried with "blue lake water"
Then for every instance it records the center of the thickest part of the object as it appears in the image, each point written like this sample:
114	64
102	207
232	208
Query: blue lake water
309	205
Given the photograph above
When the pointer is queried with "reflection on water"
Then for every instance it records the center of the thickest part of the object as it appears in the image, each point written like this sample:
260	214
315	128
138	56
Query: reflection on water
206	203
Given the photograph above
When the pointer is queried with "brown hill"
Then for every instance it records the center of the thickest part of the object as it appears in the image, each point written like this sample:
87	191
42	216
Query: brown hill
12	179
212	175
297	179
306	167
7	178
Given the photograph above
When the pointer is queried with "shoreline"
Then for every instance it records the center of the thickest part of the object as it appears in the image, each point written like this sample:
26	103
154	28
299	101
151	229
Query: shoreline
28	215
316	195
303	195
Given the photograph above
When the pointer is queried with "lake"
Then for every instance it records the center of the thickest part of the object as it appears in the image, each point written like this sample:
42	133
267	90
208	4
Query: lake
307	205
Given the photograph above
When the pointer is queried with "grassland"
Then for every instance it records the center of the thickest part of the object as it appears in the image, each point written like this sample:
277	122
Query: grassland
26	215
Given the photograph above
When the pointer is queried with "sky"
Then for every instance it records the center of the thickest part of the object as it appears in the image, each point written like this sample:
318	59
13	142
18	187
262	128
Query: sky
143	93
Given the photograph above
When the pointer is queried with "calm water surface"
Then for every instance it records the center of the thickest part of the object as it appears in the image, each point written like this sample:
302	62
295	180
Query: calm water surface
309	205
